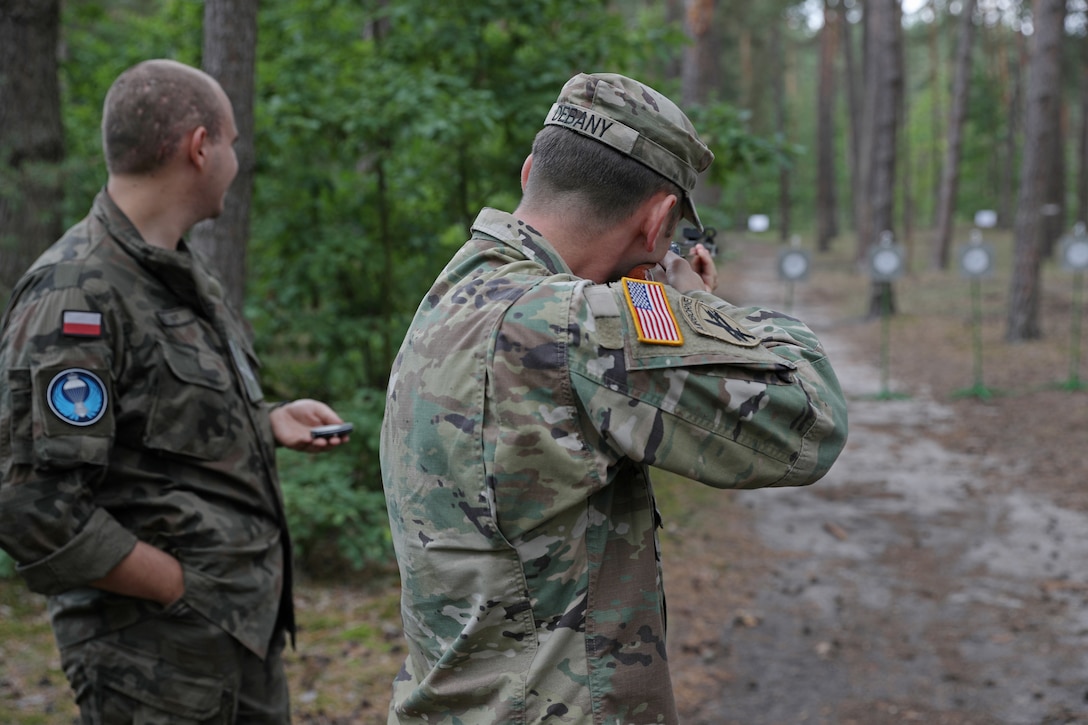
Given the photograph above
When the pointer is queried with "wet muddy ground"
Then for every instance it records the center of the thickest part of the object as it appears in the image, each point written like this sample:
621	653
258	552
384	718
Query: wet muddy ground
931	577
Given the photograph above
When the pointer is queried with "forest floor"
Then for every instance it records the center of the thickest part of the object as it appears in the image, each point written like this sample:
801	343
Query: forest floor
935	575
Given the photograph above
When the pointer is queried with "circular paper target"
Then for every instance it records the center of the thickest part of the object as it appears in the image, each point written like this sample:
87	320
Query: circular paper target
793	265
886	263
976	260
1075	253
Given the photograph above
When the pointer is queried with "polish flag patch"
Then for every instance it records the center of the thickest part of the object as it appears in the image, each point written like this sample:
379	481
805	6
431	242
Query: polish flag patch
75	323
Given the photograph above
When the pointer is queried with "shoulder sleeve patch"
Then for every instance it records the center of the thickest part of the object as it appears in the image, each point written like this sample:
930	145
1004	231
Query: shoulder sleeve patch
712	322
78	323
649	306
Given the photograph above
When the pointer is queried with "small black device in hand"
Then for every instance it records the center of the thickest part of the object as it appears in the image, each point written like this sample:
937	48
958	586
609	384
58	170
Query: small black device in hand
328	431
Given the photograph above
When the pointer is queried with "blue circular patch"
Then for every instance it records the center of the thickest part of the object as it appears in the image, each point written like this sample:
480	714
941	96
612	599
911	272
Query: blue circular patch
77	396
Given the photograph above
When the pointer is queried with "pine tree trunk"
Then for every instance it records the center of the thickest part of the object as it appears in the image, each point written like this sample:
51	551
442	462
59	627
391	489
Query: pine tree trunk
827	224
781	122
230	52
31	135
1006	213
853	78
950	170
883	101
698	73
1082	150
1043	94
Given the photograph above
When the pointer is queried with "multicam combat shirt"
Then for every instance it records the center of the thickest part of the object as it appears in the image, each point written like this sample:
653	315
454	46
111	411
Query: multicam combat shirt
130	409
522	414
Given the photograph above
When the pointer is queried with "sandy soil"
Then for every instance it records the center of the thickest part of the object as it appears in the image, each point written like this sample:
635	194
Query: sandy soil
936	574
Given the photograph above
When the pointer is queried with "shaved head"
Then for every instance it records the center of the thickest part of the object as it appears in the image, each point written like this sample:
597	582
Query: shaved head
150	108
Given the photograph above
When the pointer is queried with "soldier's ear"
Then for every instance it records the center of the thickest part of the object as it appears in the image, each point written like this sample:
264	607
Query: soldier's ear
657	221
526	167
196	147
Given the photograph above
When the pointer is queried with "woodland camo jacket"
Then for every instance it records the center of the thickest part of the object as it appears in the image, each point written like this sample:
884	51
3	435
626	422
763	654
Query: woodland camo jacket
168	440
523	413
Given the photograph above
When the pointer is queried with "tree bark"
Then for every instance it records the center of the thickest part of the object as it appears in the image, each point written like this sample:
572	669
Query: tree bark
1043	94
1082	148
936	116
1054	205
950	170
698	66
853	79
882	104
827	212
230	56
781	122
699	75
31	135
1015	113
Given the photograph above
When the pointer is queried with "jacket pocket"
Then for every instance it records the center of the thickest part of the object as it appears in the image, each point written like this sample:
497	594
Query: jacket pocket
144	689
189	414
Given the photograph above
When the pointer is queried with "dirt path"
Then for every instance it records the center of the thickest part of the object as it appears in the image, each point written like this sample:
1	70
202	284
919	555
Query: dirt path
915	583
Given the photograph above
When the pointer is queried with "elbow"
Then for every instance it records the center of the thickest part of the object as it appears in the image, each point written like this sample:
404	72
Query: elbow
819	450
825	434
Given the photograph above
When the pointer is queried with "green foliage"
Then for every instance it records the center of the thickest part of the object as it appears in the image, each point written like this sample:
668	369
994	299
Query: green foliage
7	566
334	502
391	125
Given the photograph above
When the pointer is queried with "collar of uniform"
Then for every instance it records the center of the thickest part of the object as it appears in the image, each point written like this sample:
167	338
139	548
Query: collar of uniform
511	231
124	231
175	268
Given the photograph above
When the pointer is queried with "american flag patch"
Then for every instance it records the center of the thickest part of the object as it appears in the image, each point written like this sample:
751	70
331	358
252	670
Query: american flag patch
654	320
75	323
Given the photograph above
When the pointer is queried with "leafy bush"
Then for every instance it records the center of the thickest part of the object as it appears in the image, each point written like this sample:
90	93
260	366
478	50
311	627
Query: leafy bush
334	501
7	566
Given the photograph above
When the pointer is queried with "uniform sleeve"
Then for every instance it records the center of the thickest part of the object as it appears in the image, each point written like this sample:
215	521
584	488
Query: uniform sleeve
56	430
743	398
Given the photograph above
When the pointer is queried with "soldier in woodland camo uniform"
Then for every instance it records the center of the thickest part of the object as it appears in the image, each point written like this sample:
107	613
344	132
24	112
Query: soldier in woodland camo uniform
532	392
137	474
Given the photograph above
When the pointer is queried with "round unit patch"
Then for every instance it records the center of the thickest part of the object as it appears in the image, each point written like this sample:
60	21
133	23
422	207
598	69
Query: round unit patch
77	396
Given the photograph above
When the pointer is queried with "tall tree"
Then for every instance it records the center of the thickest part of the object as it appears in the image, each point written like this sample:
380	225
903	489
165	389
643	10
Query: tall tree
1043	99
698	72
1054	205
853	76
936	63
950	170
882	103
230	52
1082	146
698	75
827	212
781	122
1014	113
31	135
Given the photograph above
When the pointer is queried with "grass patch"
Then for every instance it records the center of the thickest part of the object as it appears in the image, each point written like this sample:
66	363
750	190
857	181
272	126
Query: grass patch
33	689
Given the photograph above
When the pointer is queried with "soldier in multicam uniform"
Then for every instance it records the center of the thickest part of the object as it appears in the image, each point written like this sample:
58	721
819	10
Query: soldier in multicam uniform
137	473
533	390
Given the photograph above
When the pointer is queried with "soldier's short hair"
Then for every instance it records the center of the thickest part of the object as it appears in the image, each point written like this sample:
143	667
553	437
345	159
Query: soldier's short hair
611	184
149	108
635	120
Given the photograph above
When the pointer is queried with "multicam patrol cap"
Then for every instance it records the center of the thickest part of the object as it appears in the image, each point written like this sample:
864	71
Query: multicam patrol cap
639	122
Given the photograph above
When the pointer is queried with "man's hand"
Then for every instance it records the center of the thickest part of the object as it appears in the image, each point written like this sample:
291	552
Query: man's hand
291	425
697	274
704	266
147	573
